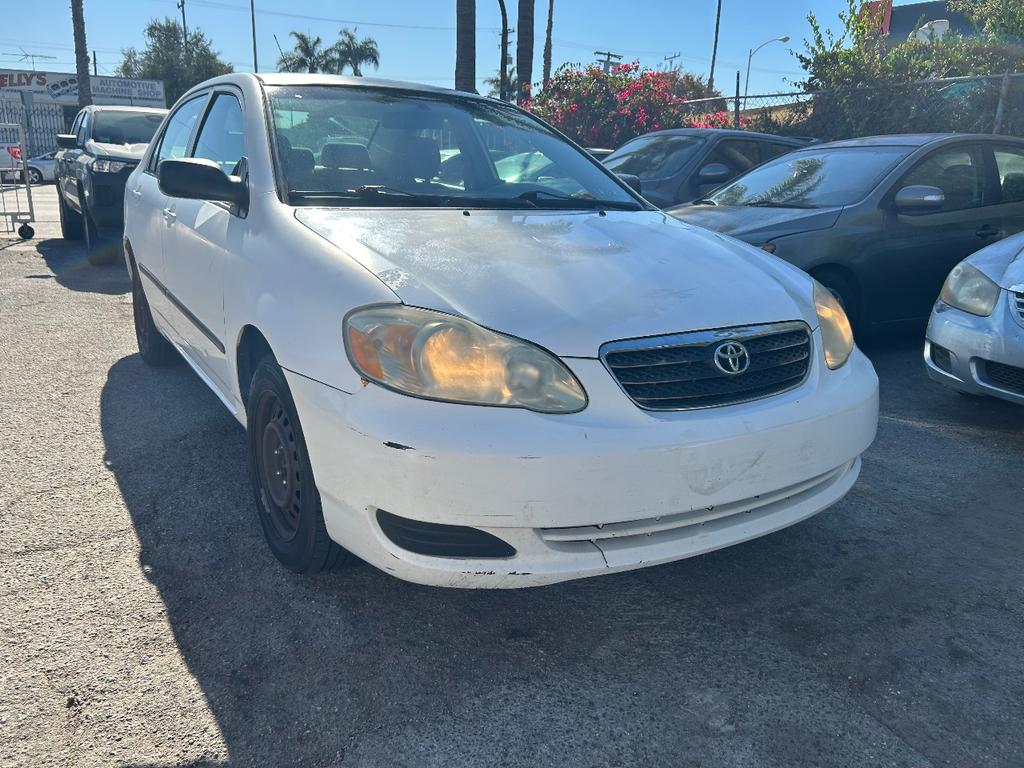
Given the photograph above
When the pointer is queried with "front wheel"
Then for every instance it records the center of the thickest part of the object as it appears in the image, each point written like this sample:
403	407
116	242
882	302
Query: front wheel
34	176
287	500
99	252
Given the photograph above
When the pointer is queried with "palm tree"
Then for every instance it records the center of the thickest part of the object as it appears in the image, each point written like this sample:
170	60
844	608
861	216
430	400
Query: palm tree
494	84
81	54
503	65
308	55
547	43
714	50
352	52
465	45
524	50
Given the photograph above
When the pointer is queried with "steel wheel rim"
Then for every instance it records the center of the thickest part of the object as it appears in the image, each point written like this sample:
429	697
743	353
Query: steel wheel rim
277	463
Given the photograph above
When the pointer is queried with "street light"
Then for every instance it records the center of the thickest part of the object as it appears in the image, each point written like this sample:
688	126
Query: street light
746	87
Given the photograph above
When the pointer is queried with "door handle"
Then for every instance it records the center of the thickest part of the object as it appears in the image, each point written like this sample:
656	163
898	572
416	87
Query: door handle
137	192
987	231
169	215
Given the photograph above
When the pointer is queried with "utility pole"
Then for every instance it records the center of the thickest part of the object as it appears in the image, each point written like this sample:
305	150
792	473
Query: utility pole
95	66
606	62
252	16
184	29
669	59
714	49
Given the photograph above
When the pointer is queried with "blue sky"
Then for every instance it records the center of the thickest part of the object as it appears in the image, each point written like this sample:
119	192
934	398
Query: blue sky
417	39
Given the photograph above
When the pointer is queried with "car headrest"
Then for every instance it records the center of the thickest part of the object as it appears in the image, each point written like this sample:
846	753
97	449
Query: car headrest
343	155
283	143
299	161
1013	187
418	158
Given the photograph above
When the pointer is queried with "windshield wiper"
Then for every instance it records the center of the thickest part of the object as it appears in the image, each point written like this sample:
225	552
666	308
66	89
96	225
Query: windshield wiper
373	190
533	196
773	204
705	201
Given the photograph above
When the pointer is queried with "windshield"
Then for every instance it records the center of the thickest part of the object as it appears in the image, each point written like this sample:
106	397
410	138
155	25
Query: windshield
125	127
813	179
371	147
654	157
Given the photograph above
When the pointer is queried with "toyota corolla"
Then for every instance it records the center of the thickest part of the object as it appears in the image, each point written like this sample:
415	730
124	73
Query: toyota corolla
470	378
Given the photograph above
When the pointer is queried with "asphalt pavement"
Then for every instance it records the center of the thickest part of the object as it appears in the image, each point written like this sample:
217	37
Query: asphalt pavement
143	622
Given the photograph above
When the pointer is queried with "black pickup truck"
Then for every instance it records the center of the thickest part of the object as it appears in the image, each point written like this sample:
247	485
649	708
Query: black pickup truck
93	164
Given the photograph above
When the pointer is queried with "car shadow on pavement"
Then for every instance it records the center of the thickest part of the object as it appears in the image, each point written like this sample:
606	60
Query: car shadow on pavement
71	268
792	649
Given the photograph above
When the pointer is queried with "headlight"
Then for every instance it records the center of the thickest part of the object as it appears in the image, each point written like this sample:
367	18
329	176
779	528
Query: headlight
836	334
442	357
103	165
969	289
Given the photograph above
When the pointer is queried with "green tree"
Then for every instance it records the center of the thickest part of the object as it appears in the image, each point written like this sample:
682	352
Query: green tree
353	53
162	59
1001	18
493	84
308	55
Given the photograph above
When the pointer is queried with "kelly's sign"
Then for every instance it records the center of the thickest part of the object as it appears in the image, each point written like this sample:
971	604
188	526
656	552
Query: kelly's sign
62	88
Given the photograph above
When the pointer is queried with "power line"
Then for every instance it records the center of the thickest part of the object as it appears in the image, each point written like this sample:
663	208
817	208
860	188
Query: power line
331	20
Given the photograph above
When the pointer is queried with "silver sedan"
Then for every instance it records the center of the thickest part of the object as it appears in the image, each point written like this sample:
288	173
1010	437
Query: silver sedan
975	339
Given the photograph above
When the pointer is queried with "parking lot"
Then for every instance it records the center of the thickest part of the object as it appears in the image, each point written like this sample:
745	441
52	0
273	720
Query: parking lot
145	622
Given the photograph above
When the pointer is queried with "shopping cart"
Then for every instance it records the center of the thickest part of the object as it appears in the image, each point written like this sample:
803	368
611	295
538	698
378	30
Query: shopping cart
16	210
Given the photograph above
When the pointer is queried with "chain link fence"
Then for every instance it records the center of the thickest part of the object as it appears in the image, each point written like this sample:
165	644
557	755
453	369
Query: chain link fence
988	104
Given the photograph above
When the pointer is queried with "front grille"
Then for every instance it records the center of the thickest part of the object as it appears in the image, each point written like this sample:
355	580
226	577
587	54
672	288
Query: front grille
678	372
1005	377
1018	303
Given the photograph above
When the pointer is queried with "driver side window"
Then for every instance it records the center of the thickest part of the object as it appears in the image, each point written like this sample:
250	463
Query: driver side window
221	137
957	171
174	142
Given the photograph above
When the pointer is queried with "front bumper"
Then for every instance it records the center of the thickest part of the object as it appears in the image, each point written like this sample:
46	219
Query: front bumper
608	489
960	348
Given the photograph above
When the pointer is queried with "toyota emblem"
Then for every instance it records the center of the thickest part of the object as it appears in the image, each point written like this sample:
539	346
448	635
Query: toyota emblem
732	358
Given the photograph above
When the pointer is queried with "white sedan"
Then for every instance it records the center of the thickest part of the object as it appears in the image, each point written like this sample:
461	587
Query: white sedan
477	381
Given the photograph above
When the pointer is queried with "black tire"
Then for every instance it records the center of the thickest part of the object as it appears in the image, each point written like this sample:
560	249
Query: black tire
153	347
26	232
70	222
846	294
35	176
100	252
287	500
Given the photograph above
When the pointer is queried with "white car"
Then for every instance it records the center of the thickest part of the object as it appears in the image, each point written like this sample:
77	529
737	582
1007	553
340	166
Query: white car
42	168
975	338
479	382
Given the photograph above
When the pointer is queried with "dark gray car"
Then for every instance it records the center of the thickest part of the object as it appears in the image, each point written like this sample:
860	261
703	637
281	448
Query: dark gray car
683	164
879	220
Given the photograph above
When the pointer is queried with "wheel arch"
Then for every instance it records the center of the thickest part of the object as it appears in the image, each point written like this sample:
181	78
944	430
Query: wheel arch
252	347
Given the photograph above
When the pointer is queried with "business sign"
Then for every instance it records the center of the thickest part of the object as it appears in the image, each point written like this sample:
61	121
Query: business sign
62	88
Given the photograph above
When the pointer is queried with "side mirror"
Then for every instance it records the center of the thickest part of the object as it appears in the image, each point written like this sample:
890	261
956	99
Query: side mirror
67	140
632	180
919	198
196	178
714	173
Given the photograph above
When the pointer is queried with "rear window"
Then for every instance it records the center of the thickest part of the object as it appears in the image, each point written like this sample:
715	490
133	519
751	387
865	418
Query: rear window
125	127
654	157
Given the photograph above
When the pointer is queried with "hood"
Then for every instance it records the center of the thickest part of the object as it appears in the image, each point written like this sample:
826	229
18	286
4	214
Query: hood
568	281
129	152
756	225
1003	262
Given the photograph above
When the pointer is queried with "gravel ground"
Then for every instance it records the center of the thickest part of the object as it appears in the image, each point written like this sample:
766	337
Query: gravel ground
144	622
